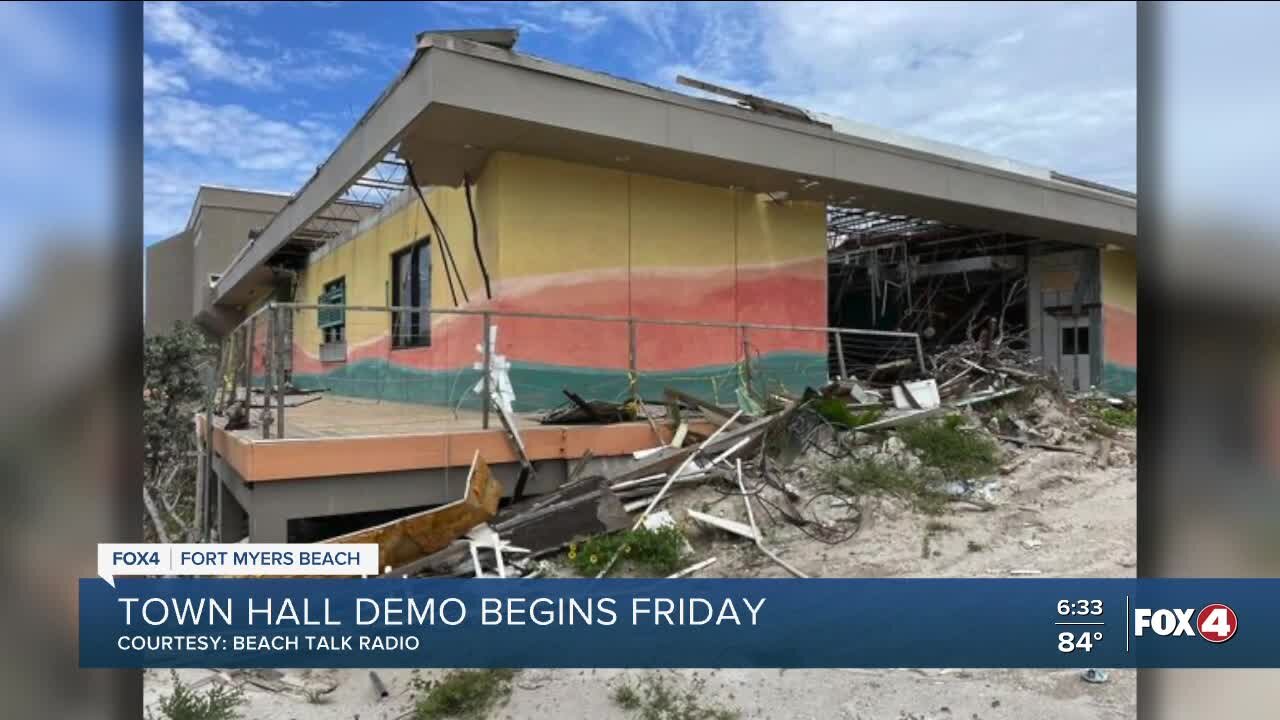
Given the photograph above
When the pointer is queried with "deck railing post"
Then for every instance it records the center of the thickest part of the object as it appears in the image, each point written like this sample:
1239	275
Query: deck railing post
920	356
283	348
268	375
487	370
844	372
248	363
632	367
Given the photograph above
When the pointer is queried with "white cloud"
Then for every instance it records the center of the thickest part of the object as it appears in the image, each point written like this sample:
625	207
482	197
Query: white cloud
1050	84
232	133
582	18
160	80
195	36
658	20
470	8
189	142
358	43
204	49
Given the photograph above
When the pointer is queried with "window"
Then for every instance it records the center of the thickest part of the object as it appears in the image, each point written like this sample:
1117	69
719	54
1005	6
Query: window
411	287
1075	340
333	321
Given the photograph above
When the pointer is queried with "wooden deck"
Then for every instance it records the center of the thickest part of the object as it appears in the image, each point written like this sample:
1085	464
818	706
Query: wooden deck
340	436
321	416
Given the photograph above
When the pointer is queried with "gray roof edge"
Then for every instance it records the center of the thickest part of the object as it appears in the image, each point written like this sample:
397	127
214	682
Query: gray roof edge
866	135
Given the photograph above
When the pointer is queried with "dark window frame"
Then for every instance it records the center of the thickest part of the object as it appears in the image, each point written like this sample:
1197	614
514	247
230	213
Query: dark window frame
333	323
412	329
1075	339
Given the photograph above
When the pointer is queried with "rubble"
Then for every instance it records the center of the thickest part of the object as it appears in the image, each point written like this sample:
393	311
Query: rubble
985	392
412	537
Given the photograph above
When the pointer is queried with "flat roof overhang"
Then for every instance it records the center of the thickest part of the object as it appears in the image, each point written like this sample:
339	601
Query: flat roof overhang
458	101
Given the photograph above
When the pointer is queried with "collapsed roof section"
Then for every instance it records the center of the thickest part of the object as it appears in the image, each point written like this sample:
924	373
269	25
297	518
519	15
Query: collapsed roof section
466	95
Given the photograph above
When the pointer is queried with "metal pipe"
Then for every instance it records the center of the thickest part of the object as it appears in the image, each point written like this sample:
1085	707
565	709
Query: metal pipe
268	367
631	357
844	372
488	360
606	318
280	317
248	360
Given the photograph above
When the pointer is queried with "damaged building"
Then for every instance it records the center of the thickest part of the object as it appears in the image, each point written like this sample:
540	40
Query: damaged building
499	233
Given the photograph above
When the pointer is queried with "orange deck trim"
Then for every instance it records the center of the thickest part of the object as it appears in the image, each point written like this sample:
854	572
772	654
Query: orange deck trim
301	458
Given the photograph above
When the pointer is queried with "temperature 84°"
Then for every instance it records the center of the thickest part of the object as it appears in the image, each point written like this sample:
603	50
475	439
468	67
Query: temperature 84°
1071	642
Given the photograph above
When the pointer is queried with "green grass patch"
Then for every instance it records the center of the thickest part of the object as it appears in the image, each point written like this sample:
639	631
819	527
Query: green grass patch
960	454
462	694
876	477
836	411
1116	417
1104	413
656	698
217	703
655	551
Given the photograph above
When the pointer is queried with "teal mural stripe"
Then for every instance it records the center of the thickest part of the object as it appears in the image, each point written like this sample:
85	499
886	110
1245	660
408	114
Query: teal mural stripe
1119	379
539	387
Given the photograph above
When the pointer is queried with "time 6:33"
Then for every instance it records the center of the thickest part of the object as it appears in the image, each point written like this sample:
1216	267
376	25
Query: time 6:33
1079	607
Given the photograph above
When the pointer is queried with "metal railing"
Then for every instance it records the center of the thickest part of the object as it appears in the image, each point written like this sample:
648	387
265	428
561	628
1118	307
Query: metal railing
408	360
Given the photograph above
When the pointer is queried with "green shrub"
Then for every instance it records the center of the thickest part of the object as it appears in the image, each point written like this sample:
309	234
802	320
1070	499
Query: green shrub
218	703
1119	418
960	454
876	477
462	694
655	698
835	411
656	551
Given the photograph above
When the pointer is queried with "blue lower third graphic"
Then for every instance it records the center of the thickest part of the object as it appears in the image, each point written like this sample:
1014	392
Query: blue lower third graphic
783	623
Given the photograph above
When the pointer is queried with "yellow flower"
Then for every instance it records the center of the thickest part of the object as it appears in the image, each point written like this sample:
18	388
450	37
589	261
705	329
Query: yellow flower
573	553
594	559
626	549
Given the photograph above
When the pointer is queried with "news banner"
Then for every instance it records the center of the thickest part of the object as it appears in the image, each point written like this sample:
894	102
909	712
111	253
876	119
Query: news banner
156	606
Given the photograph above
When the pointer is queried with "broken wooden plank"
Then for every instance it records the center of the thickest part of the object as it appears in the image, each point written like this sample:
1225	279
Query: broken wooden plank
645	486
722	457
583	405
919	395
677	440
713	412
410	538
730	526
684	465
672	457
755	529
1042	446
513	434
892	365
589	508
438	561
899	419
986	397
692	568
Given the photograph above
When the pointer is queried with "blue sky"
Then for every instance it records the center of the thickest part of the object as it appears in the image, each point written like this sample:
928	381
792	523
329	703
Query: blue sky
256	94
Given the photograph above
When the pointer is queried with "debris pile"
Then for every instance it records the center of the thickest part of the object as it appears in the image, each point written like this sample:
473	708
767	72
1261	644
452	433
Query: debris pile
821	463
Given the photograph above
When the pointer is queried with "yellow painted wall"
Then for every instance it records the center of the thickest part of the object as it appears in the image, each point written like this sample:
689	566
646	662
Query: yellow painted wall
558	217
770	232
365	261
569	238
1120	280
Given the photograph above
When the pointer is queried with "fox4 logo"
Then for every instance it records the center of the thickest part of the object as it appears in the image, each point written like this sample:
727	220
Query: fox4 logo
1215	623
